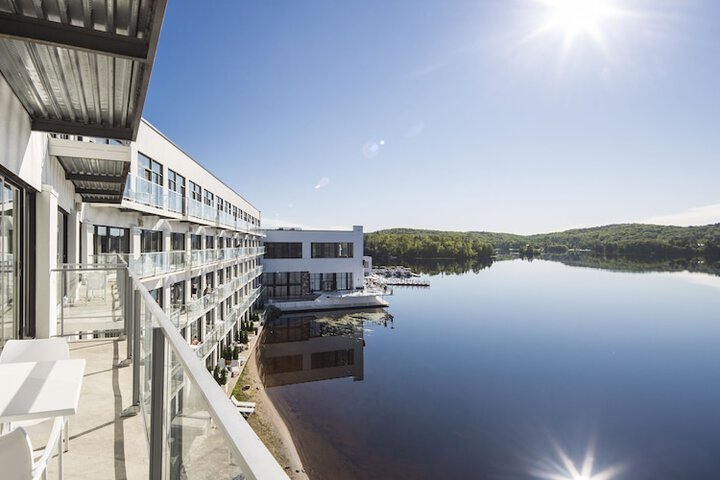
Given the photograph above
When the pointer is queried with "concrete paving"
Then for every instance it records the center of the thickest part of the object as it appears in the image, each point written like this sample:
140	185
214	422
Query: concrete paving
103	444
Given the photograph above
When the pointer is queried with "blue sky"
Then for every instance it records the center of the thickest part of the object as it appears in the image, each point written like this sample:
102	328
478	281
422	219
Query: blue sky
453	115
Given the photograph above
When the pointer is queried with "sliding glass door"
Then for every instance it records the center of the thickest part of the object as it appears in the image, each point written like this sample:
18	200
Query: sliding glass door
10	260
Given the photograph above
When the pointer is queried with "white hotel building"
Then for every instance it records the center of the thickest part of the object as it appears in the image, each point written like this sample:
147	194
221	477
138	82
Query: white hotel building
306	270
114	238
191	240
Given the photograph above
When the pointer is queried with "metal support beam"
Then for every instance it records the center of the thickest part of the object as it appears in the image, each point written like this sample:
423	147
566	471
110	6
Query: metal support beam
29	29
97	191
89	177
76	128
157	404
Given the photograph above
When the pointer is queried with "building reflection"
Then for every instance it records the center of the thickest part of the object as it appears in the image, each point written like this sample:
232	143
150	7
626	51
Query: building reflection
307	347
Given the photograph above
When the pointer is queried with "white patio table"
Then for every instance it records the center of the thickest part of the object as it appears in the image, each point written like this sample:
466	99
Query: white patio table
34	390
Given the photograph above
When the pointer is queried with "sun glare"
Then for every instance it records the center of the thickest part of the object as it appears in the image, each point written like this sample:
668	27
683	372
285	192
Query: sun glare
566	469
577	18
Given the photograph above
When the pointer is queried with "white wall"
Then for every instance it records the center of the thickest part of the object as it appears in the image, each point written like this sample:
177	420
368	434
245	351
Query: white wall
18	146
318	265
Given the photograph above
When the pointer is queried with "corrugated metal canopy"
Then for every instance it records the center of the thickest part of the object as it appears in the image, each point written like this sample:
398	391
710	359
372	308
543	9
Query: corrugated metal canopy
96	180
80	66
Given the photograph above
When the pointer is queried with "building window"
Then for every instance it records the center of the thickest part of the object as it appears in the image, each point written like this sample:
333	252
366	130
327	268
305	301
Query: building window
332	250
209	198
195	191
177	294
283	250
176	183
151	241
335	358
111	240
285	284
196	242
209	242
177	241
149	169
157	295
330	282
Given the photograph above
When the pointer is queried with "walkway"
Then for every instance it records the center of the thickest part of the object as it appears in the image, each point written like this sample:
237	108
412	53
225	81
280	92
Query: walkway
102	443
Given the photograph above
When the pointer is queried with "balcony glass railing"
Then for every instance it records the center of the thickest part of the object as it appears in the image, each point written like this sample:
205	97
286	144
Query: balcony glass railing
201	210
157	263
91	299
142	191
223	327
175	202
193	429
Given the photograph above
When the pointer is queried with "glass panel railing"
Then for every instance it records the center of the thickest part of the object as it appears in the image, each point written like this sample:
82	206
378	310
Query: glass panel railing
194	431
195	208
177	260
113	259
144	192
91	299
175	202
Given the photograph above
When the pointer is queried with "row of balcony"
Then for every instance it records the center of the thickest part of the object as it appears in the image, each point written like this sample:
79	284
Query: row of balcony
223	327
183	315
145	192
150	264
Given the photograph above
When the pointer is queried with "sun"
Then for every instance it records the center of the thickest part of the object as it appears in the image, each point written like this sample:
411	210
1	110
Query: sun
578	18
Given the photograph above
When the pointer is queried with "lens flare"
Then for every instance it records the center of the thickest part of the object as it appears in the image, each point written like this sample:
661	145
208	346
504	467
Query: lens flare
574	19
567	470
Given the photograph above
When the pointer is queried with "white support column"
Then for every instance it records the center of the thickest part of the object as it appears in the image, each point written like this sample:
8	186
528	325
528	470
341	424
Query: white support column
74	237
46	261
135	243
88	245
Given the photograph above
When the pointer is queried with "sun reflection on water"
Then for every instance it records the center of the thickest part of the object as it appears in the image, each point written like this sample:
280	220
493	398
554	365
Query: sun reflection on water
564	468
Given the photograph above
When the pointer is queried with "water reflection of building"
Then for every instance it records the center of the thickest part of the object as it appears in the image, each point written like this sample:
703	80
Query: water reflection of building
298	348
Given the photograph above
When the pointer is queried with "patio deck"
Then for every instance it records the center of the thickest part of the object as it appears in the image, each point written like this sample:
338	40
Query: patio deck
103	444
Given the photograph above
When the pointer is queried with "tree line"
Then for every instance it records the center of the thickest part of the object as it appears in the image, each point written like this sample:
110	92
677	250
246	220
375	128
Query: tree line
637	240
388	245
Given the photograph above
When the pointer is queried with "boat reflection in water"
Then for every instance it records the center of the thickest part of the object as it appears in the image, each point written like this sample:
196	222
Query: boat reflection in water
307	347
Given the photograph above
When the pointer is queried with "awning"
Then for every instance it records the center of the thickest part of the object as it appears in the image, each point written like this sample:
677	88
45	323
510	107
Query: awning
81	67
97	168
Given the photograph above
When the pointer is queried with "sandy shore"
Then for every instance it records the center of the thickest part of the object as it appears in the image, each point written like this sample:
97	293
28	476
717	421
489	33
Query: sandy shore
266	421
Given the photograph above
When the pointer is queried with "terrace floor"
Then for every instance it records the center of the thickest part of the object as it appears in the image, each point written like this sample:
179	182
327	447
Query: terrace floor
103	444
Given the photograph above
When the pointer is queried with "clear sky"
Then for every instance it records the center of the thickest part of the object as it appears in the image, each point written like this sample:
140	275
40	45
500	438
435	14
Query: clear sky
507	115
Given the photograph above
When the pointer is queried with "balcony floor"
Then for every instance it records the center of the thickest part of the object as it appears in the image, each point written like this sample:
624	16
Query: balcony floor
102	443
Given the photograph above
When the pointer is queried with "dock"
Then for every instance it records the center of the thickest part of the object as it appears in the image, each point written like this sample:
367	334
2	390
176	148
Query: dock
407	282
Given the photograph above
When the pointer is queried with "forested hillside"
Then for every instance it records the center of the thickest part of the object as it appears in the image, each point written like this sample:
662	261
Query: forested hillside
640	240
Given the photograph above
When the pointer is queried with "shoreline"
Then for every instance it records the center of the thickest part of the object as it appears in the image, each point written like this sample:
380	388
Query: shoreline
267	422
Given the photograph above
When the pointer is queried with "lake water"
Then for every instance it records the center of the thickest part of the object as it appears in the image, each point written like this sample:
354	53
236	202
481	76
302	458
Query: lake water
523	370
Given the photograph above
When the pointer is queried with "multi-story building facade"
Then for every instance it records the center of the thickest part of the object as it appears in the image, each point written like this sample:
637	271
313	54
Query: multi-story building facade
109	231
192	240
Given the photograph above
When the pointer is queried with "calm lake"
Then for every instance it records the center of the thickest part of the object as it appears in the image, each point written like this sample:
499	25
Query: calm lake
523	370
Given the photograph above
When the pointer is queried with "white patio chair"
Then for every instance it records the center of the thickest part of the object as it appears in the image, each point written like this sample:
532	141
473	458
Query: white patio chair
19	462
43	350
